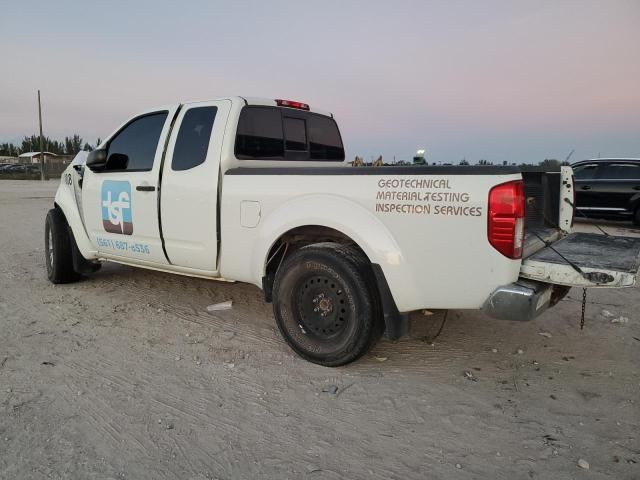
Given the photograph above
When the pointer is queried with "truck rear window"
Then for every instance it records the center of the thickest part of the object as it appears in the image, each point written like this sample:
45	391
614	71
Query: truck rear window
295	133
273	133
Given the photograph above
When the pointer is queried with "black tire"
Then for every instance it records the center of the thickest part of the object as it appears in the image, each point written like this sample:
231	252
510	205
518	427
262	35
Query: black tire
58	249
326	304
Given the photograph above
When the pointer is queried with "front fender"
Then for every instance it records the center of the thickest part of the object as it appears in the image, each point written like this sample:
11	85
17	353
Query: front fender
65	200
347	217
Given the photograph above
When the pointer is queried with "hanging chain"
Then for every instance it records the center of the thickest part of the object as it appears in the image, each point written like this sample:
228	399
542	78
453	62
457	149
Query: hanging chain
584	305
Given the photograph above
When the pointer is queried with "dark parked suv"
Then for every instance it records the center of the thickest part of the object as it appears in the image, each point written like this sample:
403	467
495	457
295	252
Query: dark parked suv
608	188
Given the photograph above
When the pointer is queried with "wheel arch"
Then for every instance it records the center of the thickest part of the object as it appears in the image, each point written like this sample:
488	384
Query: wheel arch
297	237
293	225
345	218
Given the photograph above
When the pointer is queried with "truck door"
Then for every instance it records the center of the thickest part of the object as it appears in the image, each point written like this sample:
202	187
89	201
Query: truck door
586	195
620	186
189	194
120	202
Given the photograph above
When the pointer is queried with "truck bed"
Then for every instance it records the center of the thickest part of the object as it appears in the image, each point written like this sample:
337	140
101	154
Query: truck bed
433	251
542	187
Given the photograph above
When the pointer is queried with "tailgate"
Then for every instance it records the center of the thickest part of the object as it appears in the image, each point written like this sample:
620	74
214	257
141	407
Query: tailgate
586	260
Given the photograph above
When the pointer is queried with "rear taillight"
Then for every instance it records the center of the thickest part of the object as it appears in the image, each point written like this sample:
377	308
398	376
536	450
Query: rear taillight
506	218
292	104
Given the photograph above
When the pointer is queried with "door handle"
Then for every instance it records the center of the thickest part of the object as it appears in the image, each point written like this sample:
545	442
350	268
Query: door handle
585	187
146	188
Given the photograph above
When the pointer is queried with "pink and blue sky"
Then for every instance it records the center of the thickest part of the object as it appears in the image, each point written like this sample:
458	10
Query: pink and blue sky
499	80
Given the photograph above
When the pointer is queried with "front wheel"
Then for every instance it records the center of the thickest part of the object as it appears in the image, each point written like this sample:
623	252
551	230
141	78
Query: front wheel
58	253
326	304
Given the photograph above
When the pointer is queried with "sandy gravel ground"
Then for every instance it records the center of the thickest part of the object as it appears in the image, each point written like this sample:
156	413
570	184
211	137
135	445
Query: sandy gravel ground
125	375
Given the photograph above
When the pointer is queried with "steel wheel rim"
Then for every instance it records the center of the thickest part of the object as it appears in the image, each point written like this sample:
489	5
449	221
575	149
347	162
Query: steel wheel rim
322	307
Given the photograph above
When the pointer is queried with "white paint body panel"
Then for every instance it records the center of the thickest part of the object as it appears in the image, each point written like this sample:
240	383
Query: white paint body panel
435	261
189	198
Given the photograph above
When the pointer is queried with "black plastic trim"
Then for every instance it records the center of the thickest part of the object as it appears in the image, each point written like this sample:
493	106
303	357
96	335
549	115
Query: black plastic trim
122	170
267	287
396	324
391	170
80	264
160	170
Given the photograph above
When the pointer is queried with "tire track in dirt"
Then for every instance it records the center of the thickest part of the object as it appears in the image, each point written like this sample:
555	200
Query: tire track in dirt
154	288
198	410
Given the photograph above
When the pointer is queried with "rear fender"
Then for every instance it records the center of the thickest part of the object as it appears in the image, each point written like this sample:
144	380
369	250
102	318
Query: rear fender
346	216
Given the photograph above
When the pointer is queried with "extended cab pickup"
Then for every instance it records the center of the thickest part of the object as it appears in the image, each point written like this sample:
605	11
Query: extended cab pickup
258	191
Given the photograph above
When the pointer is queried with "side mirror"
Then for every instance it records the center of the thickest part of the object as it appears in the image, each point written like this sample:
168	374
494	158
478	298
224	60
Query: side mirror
100	160
97	160
117	161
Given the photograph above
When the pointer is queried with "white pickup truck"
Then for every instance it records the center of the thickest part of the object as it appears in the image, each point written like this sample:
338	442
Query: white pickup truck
258	191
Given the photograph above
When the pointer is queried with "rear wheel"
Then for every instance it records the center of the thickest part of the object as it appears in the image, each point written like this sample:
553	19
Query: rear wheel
326	304
58	253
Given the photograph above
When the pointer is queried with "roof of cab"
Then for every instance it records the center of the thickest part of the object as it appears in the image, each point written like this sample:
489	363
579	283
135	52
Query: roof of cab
268	102
271	102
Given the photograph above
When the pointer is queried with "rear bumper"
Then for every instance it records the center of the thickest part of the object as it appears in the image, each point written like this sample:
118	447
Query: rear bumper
522	301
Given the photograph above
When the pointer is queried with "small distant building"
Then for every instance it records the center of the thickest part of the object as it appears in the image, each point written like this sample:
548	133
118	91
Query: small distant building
49	158
419	158
34	157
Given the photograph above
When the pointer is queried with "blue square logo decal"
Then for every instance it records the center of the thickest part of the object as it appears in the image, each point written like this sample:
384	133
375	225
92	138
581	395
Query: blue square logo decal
116	207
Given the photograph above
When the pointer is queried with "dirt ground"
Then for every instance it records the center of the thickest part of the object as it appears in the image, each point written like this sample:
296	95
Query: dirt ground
125	375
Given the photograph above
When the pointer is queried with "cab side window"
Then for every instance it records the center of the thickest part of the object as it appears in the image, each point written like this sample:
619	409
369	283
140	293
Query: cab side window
193	138
134	147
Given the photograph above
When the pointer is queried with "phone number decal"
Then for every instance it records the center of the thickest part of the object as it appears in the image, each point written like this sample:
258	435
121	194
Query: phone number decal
121	245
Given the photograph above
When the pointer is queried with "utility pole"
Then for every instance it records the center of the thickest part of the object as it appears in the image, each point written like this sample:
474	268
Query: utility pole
41	139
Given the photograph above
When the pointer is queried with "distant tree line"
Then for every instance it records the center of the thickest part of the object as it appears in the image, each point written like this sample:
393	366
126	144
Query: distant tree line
69	146
359	162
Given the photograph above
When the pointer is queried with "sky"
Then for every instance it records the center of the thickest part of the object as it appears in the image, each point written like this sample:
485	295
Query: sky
497	80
